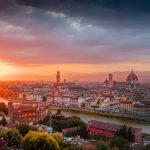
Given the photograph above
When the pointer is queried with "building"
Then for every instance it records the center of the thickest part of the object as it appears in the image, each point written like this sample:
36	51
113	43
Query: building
132	80
110	77
106	82
110	82
141	110
126	106
110	130
58	77
26	113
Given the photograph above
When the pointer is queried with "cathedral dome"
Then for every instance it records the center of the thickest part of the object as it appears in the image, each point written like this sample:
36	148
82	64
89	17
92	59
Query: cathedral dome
106	81
132	77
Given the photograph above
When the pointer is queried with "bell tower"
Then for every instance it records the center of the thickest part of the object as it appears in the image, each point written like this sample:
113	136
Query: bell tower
58	77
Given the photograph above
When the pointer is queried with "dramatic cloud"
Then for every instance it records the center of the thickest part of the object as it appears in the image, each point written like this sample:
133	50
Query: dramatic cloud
74	31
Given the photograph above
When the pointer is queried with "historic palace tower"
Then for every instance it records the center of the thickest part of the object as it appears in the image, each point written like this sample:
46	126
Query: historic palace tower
58	77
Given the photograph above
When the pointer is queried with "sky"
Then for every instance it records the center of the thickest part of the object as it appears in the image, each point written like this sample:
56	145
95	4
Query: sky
39	37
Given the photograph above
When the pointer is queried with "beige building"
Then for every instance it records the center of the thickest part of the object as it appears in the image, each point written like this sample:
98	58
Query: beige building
141	110
126	106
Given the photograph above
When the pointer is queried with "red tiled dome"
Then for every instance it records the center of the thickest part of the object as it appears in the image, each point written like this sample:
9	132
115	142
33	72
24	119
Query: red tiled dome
132	77
106	81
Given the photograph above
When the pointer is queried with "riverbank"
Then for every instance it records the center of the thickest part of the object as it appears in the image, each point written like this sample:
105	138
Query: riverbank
86	117
108	115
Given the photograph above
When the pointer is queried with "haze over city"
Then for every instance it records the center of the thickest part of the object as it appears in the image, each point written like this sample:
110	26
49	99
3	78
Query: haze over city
74	75
37	38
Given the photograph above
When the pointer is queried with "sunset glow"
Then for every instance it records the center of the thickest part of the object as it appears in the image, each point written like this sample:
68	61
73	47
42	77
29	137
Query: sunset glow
36	40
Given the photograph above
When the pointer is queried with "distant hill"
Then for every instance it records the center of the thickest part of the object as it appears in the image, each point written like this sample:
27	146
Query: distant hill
118	76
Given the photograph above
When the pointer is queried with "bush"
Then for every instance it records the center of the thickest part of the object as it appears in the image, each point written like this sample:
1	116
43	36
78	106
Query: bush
24	129
61	122
120	143
102	146
147	147
12	137
39	141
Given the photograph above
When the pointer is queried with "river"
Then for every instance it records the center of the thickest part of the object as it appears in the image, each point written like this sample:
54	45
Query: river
86	117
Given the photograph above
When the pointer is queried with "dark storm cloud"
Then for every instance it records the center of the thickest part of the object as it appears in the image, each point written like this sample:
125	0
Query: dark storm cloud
74	31
124	13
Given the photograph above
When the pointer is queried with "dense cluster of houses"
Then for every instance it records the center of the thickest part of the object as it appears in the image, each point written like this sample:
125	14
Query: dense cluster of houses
88	97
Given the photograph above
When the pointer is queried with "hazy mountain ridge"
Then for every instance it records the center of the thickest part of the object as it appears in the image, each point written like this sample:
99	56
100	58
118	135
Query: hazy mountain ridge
144	76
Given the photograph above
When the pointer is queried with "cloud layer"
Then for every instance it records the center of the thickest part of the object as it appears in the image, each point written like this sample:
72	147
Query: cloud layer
74	31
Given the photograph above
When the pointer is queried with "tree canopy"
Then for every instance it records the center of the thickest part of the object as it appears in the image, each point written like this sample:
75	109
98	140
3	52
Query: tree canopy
3	108
120	143
102	146
39	141
24	129
12	137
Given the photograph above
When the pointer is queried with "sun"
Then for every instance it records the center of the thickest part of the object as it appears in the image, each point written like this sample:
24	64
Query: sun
6	69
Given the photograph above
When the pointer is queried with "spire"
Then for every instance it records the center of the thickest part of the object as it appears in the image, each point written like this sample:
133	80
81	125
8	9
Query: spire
132	70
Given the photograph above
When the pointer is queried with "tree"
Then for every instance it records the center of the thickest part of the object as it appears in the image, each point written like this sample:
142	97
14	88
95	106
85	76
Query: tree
12	137
39	141
114	148
60	122
120	143
124	131
3	108
3	122
102	146
147	147
130	135
24	129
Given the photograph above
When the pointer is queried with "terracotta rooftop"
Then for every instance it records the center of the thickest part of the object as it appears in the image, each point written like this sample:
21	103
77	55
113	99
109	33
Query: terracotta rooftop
26	108
107	126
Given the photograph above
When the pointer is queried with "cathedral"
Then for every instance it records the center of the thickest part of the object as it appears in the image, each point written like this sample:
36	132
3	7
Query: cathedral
132	80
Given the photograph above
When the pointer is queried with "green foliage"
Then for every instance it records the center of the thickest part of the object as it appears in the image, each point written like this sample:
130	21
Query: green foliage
120	143
24	129
126	133
39	141
147	147
97	137
3	108
12	137
114	148
102	146
130	135
3	122
61	122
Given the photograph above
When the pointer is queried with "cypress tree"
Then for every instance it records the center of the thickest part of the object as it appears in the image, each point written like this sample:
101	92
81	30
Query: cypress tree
130	135
124	131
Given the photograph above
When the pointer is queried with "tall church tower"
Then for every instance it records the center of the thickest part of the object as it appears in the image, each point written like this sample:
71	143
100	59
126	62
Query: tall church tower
111	77
58	77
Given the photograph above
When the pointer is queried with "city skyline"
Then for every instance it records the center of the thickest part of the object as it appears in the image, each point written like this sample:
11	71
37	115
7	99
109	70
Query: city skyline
76	37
